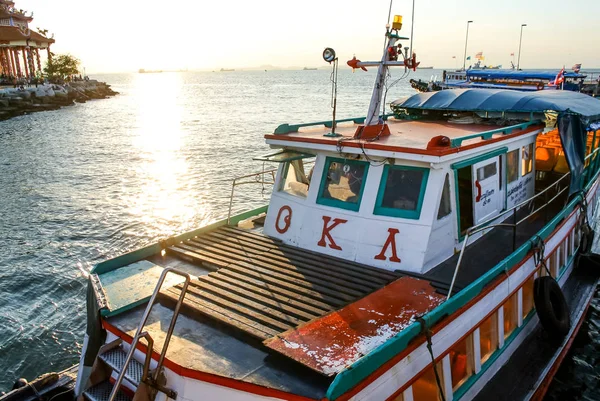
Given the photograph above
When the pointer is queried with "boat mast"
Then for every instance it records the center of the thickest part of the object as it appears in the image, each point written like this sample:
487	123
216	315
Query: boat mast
393	55
378	89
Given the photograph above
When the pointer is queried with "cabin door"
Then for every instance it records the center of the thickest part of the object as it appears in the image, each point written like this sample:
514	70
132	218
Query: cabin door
486	189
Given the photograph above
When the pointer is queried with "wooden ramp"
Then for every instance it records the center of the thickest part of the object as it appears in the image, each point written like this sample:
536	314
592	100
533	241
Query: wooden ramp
263	287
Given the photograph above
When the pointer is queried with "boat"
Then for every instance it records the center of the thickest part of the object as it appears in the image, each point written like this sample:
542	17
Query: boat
309	69
530	80
227	69
144	71
424	68
425	86
421	254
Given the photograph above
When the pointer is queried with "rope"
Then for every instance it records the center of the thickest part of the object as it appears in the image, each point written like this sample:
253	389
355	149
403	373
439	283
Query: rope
539	247
584	208
427	333
37	395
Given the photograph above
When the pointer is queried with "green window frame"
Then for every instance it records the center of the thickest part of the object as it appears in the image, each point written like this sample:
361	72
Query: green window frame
394	212
321	200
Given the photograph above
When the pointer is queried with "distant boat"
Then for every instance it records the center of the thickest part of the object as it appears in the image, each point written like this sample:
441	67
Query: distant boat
226	69
143	71
308	69
424	68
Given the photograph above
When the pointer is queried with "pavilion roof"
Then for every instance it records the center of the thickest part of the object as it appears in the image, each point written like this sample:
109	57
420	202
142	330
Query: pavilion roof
13	33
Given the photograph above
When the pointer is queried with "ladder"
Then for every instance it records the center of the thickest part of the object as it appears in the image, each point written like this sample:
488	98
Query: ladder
128	368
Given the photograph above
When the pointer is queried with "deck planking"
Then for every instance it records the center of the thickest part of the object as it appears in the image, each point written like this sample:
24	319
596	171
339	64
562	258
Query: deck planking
262	287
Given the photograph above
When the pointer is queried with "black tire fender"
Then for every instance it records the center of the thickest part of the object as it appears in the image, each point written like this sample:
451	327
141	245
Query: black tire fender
551	307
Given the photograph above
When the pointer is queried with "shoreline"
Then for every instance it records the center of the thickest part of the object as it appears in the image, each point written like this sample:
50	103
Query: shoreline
16	102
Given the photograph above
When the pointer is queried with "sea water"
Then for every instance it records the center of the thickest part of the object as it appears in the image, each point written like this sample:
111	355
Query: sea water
89	182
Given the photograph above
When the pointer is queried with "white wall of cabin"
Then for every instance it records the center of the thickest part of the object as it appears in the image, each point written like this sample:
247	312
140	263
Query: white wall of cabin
421	244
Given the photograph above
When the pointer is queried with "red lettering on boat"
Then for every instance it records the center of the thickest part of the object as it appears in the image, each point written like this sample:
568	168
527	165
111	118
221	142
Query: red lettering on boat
326	232
391	241
287	219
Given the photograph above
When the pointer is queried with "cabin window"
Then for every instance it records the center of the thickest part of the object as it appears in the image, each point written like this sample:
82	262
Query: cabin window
343	183
461	362
401	191
527	159
426	388
445	207
294	180
510	315
528	296
488	337
512	166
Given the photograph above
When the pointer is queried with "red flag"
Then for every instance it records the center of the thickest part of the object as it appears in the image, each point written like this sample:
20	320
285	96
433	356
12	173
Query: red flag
560	77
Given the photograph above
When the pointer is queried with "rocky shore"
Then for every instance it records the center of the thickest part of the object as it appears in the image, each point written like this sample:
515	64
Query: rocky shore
15	102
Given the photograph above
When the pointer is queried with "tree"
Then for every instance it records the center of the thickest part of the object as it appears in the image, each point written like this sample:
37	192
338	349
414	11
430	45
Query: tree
61	66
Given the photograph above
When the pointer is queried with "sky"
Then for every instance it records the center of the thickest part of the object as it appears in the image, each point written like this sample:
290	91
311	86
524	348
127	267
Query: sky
127	35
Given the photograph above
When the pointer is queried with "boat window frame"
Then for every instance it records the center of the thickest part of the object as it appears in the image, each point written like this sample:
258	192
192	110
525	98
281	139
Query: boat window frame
446	181
279	187
321	200
531	160
380	210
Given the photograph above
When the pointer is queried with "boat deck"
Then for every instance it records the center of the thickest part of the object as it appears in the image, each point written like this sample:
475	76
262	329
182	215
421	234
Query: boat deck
263	287
247	288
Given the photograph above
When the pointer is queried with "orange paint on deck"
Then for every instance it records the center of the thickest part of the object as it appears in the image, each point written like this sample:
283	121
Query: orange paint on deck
331	343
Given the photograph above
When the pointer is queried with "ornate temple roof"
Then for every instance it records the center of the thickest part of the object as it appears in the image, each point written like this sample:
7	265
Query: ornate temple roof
13	33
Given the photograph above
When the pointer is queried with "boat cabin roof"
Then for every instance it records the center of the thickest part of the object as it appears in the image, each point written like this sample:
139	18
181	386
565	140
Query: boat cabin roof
406	136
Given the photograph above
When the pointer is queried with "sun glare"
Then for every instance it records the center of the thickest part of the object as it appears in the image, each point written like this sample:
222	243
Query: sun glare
165	198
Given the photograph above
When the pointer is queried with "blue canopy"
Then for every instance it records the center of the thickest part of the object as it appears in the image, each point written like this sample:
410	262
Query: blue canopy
506	101
576	114
520	75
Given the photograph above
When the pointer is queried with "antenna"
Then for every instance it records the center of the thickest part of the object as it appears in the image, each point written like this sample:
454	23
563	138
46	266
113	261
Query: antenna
412	27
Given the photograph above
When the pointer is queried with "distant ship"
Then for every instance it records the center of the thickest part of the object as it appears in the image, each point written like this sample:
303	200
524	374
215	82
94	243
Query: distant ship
308	69
425	68
226	69
143	71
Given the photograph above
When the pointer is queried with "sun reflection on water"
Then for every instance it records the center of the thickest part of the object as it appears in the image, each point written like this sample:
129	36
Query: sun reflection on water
165	198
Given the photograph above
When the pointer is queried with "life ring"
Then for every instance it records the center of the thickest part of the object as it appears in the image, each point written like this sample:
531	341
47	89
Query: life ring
540	86
587	238
551	307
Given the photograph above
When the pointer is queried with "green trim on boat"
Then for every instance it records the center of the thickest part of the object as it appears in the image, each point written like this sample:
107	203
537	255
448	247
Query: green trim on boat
289	128
477	159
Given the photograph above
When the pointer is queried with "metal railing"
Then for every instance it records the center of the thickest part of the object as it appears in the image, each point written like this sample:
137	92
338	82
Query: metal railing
139	334
487	225
258	178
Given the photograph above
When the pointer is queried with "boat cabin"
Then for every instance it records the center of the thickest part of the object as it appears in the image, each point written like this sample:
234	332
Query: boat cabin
403	202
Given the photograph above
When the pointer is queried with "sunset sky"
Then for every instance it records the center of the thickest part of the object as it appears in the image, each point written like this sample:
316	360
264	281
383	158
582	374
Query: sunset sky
127	35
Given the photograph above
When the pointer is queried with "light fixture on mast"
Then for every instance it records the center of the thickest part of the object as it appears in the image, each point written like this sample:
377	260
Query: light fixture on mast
330	57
